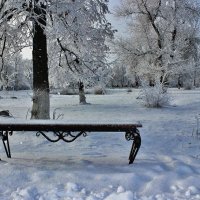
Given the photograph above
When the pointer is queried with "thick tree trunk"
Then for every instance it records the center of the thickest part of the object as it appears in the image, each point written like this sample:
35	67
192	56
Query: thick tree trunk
82	98
41	102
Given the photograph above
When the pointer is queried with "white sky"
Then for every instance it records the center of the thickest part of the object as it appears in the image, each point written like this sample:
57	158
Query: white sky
117	23
114	2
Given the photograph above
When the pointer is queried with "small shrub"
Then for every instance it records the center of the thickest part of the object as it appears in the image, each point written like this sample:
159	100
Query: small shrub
57	115
154	97
99	90
129	90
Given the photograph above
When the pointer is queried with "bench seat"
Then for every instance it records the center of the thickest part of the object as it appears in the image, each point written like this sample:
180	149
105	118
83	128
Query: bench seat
69	131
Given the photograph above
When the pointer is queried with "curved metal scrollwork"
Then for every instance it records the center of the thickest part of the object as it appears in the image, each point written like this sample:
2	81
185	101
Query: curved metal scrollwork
61	135
4	134
130	135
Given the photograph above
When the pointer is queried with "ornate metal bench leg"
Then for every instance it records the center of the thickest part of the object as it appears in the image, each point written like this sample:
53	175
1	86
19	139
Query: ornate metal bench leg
135	136
5	140
135	148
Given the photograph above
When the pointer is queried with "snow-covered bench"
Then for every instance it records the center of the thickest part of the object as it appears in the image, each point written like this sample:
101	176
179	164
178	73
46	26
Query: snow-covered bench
68	132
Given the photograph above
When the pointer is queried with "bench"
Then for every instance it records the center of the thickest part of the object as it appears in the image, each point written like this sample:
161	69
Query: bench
68	132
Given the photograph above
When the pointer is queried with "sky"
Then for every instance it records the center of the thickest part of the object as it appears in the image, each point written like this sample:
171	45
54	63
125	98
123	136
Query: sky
113	3
116	22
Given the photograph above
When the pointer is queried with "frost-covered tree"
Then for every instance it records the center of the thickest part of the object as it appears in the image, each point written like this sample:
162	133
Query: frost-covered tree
13	74
81	50
20	81
120	77
13	34
81	53
159	37
70	25
28	72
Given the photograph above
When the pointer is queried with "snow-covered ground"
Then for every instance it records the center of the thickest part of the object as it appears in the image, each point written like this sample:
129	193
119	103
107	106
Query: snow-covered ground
167	166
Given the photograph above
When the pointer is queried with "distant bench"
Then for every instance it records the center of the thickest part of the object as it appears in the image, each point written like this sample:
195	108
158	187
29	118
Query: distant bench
68	132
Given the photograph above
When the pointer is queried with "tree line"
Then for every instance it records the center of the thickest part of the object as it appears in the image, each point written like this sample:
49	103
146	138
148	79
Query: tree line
162	41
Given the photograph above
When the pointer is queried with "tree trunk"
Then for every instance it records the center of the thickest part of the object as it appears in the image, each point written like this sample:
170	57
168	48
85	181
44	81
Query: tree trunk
41	102
82	98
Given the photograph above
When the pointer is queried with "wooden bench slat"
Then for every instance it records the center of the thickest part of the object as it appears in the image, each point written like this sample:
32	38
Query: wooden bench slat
54	125
69	127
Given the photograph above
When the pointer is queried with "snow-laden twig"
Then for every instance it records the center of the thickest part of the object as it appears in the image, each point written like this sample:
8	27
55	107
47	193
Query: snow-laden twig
55	116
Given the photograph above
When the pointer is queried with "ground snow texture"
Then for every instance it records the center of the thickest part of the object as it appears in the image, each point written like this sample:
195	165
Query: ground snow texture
96	167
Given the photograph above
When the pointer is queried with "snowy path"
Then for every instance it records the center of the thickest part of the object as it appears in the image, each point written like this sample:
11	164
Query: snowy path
95	167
